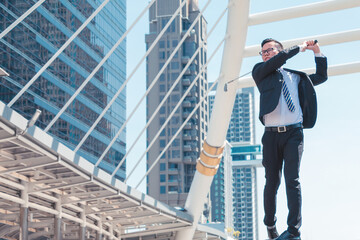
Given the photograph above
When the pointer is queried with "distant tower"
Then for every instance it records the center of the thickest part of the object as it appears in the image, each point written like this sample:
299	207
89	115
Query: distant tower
221	191
242	122
245	162
171	178
241	133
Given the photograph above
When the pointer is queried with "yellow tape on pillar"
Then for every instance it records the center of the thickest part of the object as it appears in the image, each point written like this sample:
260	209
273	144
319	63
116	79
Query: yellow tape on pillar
208	166
212	161
212	150
205	170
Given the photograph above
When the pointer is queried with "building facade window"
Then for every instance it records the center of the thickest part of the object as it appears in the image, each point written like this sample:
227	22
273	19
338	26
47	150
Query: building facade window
162	178
162	166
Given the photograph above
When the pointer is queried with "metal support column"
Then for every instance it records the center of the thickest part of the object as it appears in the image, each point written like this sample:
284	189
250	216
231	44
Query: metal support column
99	235
24	212
58	220
57	228
111	230
211	153
82	229
82	233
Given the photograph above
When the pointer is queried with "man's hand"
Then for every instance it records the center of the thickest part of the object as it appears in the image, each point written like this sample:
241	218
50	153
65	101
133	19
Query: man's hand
303	46
312	45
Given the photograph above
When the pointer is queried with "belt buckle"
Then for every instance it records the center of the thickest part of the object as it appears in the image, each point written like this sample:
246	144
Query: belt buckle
281	129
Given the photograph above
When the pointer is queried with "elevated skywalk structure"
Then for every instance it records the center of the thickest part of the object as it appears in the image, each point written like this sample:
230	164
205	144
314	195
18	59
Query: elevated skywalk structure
46	190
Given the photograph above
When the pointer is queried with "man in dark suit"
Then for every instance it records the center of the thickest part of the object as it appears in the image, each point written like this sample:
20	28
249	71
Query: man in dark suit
287	105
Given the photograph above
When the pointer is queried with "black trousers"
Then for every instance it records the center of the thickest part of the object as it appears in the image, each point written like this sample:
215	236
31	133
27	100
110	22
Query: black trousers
283	149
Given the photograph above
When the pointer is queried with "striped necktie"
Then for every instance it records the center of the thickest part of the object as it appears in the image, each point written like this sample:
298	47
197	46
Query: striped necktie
287	95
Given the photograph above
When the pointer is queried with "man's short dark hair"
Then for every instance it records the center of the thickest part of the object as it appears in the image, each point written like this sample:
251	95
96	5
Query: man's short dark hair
272	40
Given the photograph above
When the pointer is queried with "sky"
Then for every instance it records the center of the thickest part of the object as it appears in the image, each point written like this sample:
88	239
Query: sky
331	163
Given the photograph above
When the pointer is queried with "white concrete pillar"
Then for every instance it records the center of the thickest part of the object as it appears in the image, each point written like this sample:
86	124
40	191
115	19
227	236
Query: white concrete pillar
211	153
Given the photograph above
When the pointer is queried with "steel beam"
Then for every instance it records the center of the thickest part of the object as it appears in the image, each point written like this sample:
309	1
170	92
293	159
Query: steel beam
33	160
91	194
301	11
102	210
340	69
23	168
65	185
8	139
5	229
333	70
324	39
66	201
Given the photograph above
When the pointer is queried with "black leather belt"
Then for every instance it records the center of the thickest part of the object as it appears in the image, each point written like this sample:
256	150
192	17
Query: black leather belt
283	128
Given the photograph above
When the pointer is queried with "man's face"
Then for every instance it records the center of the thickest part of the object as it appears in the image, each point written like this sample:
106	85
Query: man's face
269	50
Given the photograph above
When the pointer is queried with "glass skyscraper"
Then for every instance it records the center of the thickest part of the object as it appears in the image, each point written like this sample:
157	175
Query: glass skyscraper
170	179
27	47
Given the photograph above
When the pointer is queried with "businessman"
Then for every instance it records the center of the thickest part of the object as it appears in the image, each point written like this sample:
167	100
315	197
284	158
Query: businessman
287	105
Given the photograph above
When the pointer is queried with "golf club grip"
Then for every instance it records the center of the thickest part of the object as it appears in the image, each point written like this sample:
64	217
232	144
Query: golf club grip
315	42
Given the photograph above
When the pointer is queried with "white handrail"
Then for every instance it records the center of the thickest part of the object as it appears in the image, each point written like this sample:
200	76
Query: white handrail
333	70
301	11
324	39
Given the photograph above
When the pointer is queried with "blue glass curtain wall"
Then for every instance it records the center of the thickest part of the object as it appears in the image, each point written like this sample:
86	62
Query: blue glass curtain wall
26	48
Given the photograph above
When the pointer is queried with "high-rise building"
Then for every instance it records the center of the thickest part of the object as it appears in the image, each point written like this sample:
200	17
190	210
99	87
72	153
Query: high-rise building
28	47
241	132
170	179
245	189
242	122
221	191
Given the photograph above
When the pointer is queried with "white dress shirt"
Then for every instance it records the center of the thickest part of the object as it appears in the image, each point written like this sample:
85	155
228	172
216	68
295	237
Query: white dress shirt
282	116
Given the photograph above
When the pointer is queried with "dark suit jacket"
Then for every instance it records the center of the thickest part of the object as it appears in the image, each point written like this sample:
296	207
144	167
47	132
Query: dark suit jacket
268	80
